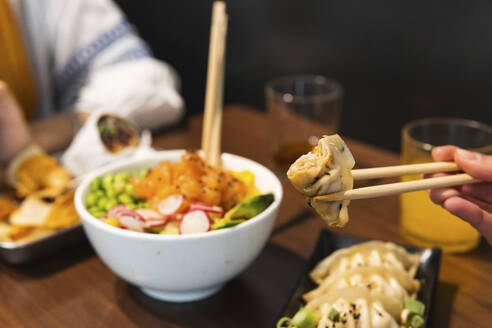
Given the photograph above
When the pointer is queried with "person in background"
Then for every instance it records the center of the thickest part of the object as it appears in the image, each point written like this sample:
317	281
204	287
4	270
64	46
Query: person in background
472	202
60	60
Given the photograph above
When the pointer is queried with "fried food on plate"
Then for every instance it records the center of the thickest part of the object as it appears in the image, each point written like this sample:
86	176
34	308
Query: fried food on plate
63	213
7	206
34	170
46	203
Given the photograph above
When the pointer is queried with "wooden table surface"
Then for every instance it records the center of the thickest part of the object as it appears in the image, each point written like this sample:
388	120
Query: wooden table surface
73	288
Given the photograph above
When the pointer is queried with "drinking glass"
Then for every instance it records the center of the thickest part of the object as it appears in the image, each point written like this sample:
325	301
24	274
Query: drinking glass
422	222
301	109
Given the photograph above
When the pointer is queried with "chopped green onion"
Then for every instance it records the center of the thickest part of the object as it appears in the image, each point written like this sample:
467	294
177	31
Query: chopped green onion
304	319
415	306
334	315
284	322
415	321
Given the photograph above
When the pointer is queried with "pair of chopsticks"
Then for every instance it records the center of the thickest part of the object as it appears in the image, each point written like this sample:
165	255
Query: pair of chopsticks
212	124
402	187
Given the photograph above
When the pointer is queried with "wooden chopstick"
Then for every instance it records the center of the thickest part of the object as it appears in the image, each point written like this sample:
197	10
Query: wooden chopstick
399	170
212	123
400	187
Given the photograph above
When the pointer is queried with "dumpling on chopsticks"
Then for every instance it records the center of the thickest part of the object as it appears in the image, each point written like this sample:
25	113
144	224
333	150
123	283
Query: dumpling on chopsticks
324	170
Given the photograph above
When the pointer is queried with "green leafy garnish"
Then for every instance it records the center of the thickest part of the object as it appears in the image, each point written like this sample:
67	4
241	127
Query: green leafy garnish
334	315
414	321
304	318
414	306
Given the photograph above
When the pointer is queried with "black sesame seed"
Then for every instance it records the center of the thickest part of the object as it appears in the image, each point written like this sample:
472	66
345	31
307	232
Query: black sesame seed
357	316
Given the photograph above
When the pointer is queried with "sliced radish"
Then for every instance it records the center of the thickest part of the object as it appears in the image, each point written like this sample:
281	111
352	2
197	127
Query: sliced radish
195	222
155	223
131	213
176	217
148	214
131	223
115	211
170	204
206	208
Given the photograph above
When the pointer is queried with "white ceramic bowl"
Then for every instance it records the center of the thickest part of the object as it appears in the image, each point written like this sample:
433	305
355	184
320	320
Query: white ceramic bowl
181	268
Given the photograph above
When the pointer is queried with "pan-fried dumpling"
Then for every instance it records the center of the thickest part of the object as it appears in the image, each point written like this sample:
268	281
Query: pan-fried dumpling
368	254
392	282
361	312
324	170
369	285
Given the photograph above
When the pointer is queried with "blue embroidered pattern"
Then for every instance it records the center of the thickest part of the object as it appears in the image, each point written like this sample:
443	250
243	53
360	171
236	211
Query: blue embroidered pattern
78	64
140	50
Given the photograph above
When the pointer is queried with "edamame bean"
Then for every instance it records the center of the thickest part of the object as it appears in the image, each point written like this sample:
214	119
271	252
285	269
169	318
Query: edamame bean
91	199
129	189
107	180
99	214
119	186
94	209
125	199
142	173
110	192
112	202
102	202
97	211
96	184
121	177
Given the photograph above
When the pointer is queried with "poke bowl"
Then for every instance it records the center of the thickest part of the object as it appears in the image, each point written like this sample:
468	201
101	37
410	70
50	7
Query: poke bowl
186	266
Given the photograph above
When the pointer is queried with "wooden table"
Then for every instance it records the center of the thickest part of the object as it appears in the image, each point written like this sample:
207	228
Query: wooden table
73	288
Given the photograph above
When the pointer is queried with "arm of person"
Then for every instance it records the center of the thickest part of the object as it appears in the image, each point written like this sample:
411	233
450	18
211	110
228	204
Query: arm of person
56	132
14	132
472	202
52	134
102	65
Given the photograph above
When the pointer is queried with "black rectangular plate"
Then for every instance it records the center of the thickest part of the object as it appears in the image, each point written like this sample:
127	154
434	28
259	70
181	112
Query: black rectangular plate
329	242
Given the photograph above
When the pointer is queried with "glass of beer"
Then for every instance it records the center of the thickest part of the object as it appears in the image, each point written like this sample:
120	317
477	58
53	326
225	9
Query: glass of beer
301	109
424	223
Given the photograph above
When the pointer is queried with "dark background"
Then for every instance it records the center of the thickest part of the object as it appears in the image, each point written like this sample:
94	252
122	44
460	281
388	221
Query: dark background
397	60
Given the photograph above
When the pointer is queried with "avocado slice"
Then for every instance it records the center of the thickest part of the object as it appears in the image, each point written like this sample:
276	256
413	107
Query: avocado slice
226	224
250	207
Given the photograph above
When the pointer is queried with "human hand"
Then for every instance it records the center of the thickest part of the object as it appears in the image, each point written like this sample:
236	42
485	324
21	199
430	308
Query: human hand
14	132
471	202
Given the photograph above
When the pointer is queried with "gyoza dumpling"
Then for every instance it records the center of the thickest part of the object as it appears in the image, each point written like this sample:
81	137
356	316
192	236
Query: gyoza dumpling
326	169
357	307
392	282
368	254
361	314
